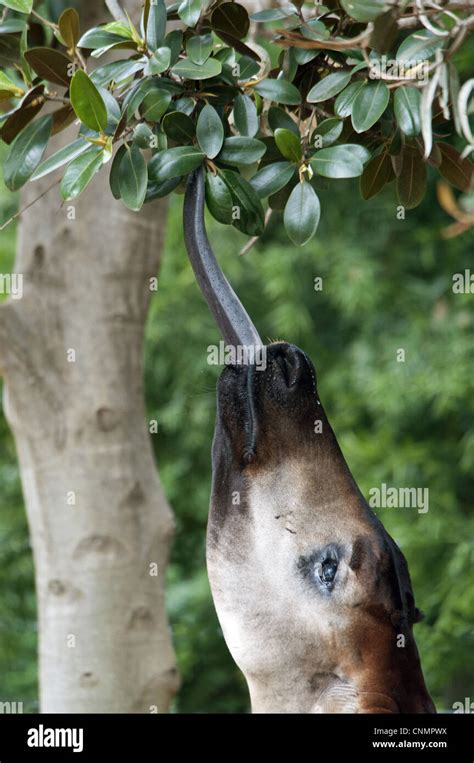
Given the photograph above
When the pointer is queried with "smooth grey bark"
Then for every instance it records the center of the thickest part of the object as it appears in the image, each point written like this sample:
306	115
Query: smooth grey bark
71	356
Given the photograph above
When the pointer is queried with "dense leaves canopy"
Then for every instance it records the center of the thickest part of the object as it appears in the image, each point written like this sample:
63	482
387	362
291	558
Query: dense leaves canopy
356	88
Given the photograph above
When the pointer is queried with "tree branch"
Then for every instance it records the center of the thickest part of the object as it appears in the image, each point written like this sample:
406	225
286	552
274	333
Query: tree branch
27	206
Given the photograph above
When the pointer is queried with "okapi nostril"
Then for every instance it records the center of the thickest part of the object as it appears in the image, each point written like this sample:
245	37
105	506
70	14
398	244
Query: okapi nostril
291	363
293	367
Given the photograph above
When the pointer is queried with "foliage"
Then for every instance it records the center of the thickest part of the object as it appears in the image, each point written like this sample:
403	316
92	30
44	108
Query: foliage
360	88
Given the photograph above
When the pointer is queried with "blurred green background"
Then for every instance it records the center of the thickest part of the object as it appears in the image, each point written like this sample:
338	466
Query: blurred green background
387	285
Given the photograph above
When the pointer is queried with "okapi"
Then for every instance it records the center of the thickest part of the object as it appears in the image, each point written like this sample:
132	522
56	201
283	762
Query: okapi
313	596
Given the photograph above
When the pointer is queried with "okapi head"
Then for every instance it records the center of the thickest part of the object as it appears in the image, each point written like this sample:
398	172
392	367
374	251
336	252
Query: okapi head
313	596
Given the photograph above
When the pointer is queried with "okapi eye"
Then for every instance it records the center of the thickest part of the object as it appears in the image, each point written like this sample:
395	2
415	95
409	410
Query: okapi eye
320	567
327	571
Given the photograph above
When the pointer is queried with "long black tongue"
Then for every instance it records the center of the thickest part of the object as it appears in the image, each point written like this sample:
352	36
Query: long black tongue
228	311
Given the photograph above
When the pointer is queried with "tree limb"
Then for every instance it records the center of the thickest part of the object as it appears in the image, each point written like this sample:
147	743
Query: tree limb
27	206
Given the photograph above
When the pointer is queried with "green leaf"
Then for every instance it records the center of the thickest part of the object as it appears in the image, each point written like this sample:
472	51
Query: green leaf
245	116
119	27
302	56
6	84
345	101
22	6
279	90
112	108
189	70
247	213
69	27
158	190
376	175
327	132
87	102
189	12
173	162
174	41
124	44
457	171
302	213
328	87
159	62
411	183
10	53
199	48
62	118
238	46
279	118
273	14
210	131
155	24
80	173
248	68
337	162
155	103
288	144
185	104
19	117
230	19
237	150
143	135
10	26
218	199
114	171
133	178
98	38
6	95
25	152
116	71
354	149
369	105
315	29
138	92
277	201
426	111
179	127
272	178
364	10
419	46
61	157
50	64
385	31
406	103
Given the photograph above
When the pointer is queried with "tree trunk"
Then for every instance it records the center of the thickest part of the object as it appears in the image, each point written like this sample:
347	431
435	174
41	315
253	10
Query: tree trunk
71	355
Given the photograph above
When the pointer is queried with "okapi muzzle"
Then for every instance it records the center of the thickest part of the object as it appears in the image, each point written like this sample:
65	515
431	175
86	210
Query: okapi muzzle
313	596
